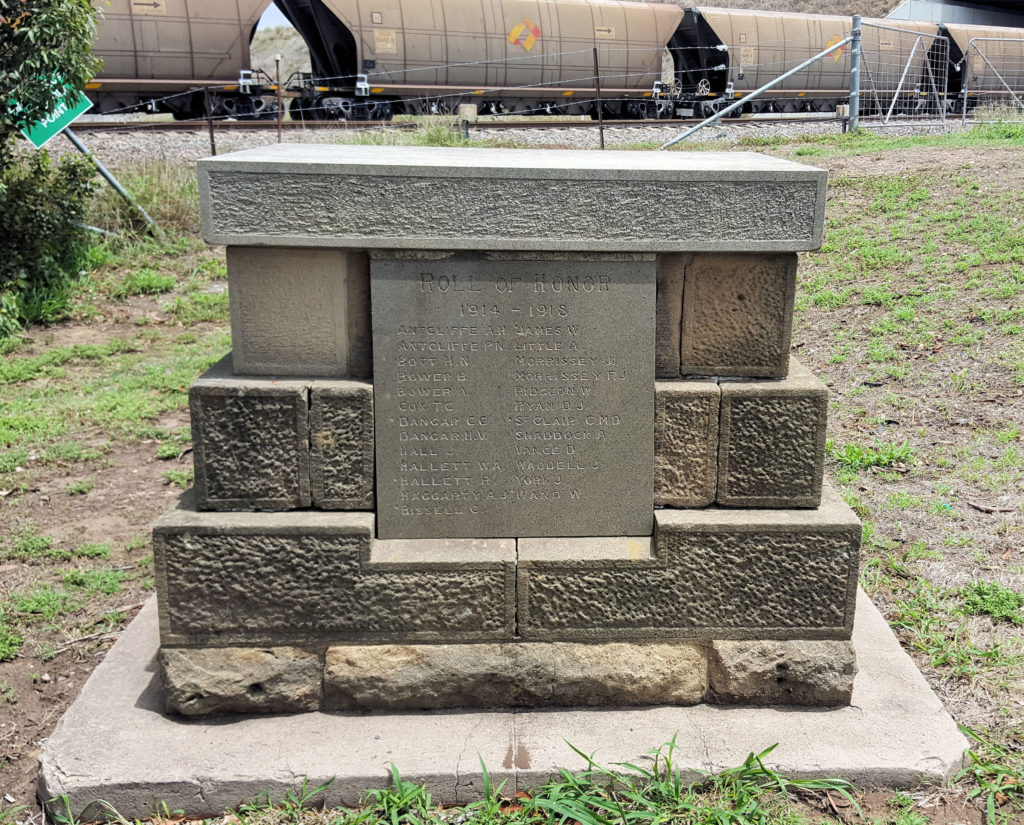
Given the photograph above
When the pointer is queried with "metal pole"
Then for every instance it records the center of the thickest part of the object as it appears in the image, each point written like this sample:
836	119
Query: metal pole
277	87
209	120
756	93
903	78
110	178
600	105
855	75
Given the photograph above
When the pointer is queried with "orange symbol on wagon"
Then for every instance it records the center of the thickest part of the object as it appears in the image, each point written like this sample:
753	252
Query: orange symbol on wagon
838	52
524	34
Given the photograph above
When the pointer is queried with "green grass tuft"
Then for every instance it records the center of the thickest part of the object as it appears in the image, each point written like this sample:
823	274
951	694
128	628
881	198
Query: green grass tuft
992	599
857	457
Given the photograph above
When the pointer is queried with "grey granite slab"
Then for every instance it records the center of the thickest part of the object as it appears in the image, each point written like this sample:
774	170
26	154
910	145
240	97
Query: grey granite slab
513	397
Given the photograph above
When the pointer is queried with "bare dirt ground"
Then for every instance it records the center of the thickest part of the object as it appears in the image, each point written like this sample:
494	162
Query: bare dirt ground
949	514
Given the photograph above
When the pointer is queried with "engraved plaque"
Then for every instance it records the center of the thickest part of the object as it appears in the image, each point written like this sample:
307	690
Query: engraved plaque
513	397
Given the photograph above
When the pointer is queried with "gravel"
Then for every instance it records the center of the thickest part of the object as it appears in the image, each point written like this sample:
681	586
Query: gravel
124	147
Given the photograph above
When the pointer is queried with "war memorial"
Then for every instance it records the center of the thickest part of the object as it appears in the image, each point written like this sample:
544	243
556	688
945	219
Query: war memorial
510	452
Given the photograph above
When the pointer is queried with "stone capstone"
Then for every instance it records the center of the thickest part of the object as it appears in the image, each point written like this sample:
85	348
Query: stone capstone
409	677
738	315
250	442
772	441
360	197
782	673
685	442
241	680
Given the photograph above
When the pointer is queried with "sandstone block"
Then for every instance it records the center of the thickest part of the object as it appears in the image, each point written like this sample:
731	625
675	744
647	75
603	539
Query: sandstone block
435	198
738	315
341	439
772	443
411	677
250	441
711	573
298	311
671	269
782	673
303	577
685	442
241	680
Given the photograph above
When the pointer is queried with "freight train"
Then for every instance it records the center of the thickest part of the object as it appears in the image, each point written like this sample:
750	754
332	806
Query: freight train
372	59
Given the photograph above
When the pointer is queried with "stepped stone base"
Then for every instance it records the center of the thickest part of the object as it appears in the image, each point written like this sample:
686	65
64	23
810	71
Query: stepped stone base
303	578
116	743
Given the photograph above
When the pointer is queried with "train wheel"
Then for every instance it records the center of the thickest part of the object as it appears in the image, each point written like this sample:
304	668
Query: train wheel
296	109
707	108
636	109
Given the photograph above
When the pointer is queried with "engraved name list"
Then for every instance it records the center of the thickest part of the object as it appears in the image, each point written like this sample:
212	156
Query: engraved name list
513	398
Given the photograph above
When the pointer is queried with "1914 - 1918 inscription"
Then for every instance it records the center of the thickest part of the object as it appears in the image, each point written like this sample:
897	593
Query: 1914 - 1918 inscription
513	397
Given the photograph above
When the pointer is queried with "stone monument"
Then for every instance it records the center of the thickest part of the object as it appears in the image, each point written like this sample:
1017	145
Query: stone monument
507	429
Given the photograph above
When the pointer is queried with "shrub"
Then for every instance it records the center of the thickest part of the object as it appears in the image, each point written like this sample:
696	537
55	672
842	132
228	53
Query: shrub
43	238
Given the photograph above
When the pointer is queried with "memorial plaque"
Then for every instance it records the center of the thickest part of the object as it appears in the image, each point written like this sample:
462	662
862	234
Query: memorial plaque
514	395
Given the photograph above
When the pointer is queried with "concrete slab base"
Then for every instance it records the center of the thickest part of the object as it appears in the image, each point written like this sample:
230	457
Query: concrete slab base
115	744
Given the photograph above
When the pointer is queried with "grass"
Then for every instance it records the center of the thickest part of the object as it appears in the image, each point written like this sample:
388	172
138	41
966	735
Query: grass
180	478
913	310
80	488
657	791
993	599
859	457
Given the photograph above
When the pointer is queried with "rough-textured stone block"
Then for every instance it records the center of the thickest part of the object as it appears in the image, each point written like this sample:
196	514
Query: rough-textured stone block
341	439
685	442
299	311
302	577
513	397
782	673
241	680
772	442
714	574
409	677
671	269
500	199
738	315
251	441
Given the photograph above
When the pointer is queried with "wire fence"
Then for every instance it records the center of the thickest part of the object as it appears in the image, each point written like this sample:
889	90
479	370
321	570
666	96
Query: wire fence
903	72
991	73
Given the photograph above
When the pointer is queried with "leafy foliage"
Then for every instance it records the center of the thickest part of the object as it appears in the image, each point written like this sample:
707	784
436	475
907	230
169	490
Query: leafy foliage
41	40
42	237
45	47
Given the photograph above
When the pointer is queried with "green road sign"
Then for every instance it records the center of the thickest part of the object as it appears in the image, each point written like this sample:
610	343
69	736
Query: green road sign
40	133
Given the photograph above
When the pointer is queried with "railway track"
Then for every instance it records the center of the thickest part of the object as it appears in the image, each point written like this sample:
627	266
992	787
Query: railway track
487	125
